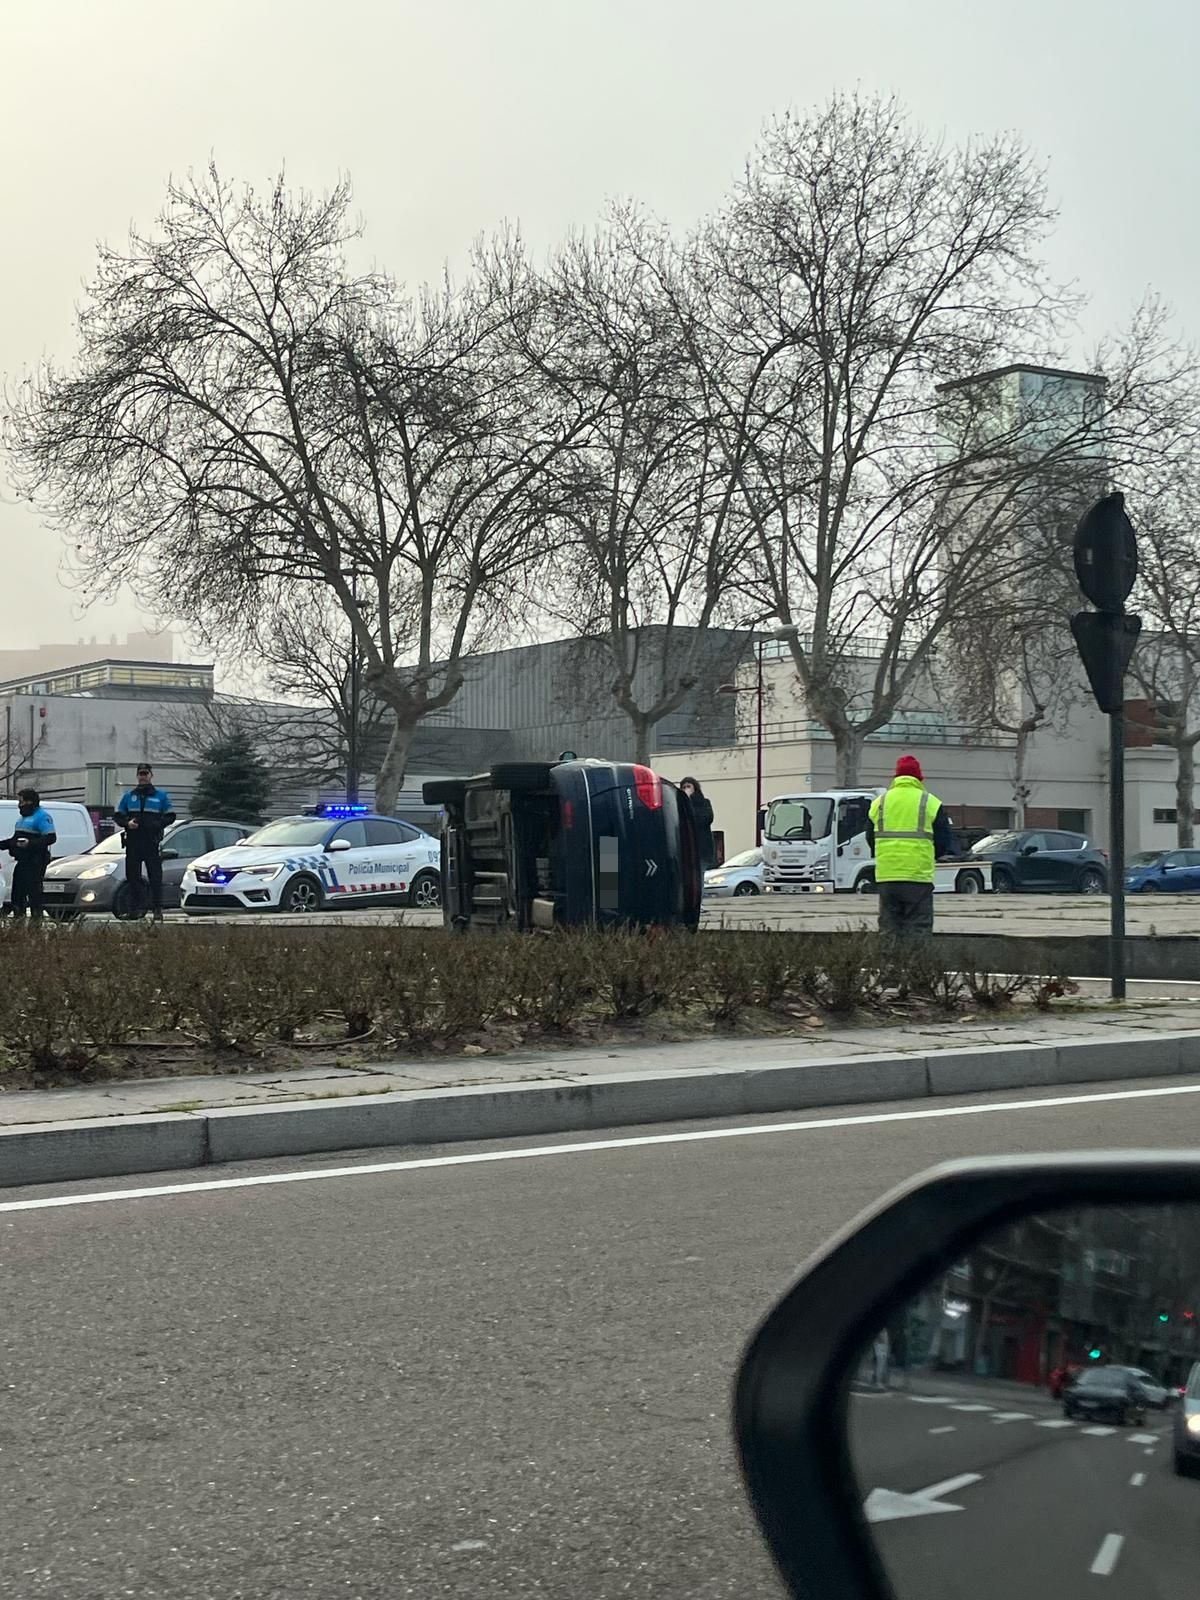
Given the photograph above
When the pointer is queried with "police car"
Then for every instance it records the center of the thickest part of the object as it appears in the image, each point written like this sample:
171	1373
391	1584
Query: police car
332	855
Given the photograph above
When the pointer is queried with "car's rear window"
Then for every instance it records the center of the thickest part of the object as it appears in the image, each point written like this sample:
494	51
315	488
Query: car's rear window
1101	1377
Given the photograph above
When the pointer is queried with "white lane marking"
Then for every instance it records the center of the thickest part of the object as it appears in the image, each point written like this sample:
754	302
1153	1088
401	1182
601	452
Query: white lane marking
930	1399
971	1408
1143	1438
949	1485
1057	1422
1137	1480
889	1505
1099	1433
949	1429
1149	1452
1013	1416
1107	1555
546	1151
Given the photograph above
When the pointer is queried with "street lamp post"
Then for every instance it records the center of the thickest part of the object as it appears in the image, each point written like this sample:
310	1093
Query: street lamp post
355	692
788	632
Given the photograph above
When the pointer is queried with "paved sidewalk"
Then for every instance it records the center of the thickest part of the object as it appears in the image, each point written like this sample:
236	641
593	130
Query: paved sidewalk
1162	1010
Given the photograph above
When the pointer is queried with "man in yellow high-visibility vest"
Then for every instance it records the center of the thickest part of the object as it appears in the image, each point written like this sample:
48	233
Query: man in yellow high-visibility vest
909	831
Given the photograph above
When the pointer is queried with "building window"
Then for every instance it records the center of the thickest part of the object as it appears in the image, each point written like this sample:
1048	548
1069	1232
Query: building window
1073	821
1168	816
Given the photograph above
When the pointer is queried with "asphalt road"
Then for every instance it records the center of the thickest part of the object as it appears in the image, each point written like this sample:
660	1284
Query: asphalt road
1037	1505
458	1377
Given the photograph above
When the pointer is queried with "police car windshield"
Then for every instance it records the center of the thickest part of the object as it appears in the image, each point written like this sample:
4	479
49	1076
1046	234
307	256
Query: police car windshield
111	846
292	831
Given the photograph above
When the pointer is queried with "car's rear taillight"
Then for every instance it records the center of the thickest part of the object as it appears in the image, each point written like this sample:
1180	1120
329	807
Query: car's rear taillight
649	787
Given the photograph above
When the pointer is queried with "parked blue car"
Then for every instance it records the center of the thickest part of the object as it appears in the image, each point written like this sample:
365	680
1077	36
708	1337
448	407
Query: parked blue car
1164	872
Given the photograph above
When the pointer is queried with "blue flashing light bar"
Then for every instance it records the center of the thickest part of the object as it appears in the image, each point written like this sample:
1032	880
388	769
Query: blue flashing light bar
331	809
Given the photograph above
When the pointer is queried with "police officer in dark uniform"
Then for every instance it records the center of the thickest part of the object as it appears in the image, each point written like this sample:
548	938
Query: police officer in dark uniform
29	847
143	815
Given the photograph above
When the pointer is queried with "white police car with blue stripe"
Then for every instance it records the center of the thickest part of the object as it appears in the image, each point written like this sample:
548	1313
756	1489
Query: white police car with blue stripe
333	855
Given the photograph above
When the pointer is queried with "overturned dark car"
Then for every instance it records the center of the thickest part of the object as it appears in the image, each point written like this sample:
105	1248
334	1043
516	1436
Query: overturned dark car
544	845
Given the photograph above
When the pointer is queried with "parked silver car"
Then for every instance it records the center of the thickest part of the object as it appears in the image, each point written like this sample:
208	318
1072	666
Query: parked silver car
95	881
740	875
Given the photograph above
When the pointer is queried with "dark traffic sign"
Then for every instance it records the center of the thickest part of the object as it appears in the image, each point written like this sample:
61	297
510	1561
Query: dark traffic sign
1105	645
1106	560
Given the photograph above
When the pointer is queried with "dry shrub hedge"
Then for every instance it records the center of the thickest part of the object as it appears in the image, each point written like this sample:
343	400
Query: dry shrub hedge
70	996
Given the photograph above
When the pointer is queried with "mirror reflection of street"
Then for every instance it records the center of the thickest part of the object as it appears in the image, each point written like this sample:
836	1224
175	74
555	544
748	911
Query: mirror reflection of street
1030	1422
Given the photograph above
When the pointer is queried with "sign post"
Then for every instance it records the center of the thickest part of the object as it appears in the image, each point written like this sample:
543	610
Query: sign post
1106	565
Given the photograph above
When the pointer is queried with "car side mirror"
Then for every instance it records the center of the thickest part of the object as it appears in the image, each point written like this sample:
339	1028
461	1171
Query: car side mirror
169	855
1029	850
1167	866
916	1371
335	847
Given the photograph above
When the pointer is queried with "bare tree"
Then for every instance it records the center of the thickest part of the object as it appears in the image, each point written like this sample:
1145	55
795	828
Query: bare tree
245	418
1166	664
652	528
861	279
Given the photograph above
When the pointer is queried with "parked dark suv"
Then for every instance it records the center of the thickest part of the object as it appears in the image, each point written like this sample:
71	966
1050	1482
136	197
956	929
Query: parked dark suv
1042	861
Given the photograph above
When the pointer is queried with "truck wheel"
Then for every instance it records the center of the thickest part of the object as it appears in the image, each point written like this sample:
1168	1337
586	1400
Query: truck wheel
865	883
521	776
968	883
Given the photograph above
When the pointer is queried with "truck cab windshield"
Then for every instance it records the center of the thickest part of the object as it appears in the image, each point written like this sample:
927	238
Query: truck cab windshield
800	819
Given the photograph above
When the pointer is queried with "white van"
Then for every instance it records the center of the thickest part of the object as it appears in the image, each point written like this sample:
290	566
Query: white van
72	823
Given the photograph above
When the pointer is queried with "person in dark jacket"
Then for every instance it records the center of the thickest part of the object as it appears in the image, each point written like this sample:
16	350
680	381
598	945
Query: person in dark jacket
144	813
702	815
29	846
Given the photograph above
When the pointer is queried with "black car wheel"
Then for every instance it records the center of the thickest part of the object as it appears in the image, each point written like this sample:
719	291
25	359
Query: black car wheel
131	901
1003	881
425	891
1091	881
749	887
301	895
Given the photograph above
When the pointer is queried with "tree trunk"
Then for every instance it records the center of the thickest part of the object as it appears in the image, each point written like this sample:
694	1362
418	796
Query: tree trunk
641	740
1021	789
390	777
1185	804
847	745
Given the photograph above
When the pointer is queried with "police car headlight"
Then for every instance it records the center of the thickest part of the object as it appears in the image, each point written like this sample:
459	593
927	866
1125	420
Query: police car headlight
105	871
266	873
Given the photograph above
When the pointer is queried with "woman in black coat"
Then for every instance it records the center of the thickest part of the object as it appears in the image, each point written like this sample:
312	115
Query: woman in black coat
702	814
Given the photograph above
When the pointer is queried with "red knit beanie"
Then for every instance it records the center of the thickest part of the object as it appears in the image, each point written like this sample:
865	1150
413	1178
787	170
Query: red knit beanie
909	767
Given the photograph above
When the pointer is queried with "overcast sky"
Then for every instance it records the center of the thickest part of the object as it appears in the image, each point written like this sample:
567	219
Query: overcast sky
453	115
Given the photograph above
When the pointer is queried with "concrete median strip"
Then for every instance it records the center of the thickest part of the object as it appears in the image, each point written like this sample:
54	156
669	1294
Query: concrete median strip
53	1152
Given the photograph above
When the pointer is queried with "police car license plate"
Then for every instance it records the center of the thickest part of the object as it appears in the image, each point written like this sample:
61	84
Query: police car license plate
54	888
210	888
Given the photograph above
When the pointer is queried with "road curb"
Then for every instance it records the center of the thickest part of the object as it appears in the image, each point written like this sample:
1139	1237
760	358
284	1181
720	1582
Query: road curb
118	1146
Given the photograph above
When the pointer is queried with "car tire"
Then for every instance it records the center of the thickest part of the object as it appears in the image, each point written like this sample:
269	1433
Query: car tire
748	887
521	776
1003	881
865	883
425	892
443	792
1091	881
968	883
128	906
301	895
1184	1468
